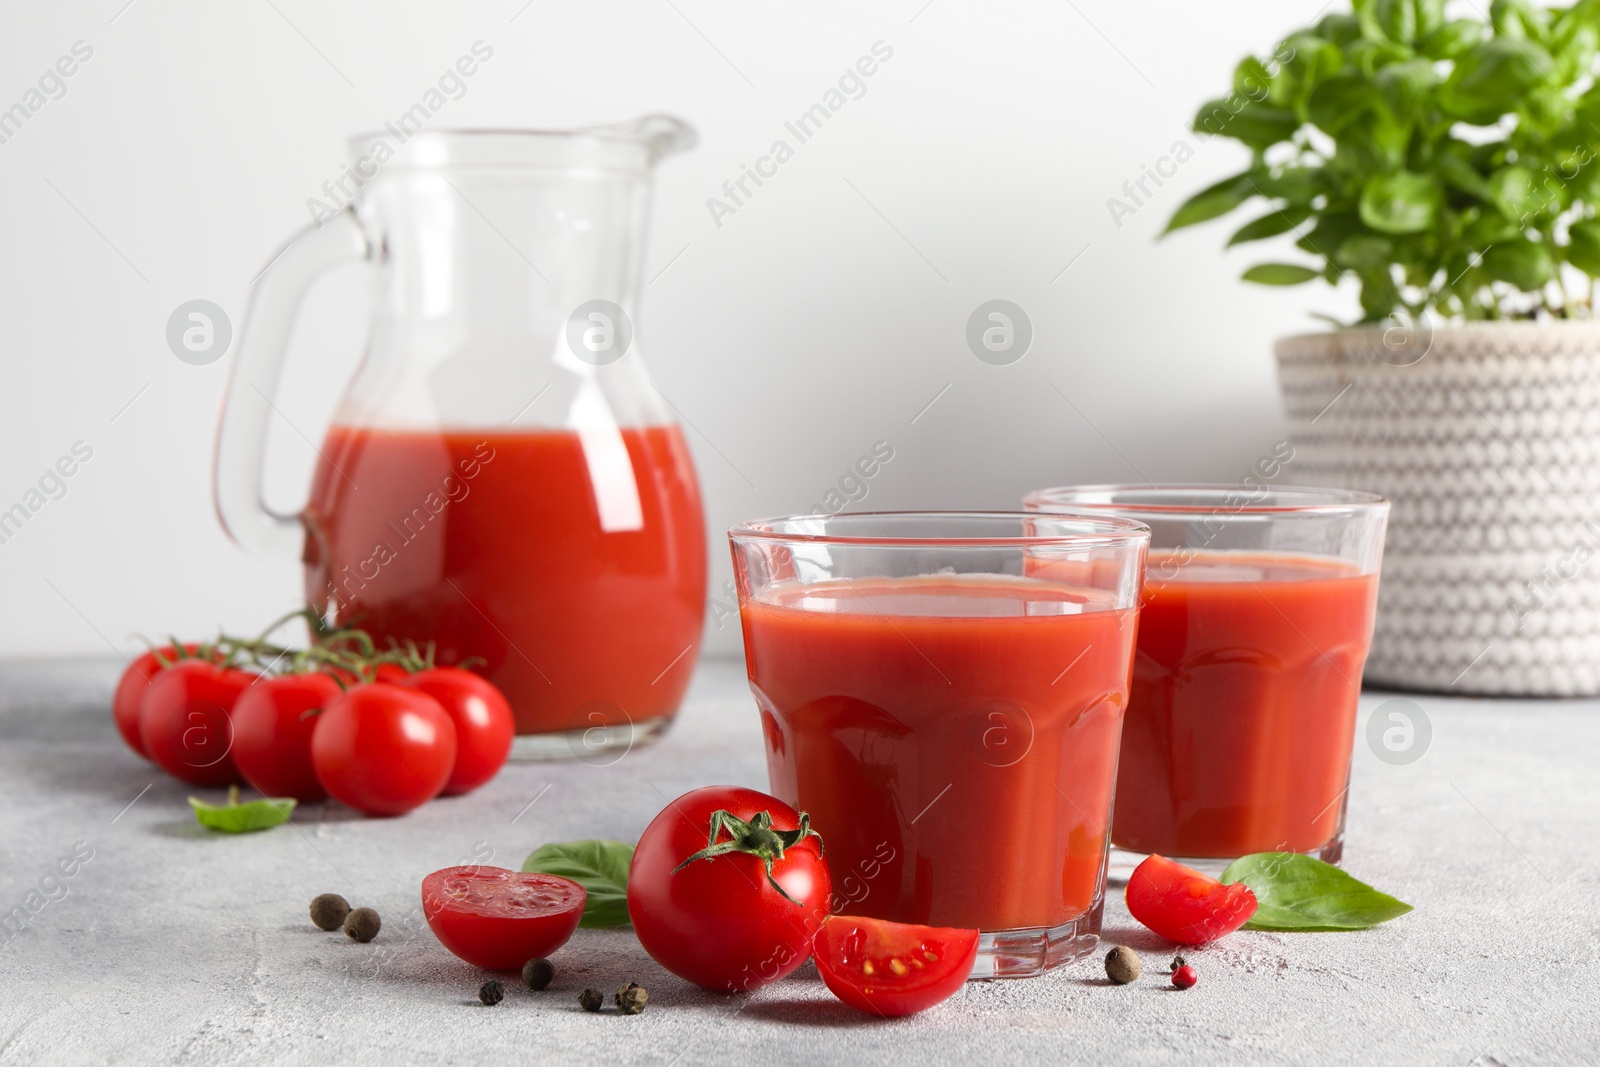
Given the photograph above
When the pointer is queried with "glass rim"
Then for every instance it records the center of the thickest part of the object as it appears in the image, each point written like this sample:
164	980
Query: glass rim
628	146
1089	531
1208	497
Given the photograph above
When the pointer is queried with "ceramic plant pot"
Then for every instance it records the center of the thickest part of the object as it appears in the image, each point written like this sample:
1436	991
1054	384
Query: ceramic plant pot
1486	437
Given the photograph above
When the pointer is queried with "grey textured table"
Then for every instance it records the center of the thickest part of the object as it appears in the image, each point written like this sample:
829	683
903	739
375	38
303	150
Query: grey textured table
175	945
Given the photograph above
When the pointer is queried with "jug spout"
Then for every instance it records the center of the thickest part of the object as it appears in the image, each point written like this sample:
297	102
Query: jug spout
662	135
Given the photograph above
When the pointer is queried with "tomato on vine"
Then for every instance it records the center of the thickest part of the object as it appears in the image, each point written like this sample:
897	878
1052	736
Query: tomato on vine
383	749
132	684
483	721
272	726
185	720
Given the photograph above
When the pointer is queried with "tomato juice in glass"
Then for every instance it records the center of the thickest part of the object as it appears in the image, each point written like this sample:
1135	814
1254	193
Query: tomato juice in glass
1256	618
569	563
943	693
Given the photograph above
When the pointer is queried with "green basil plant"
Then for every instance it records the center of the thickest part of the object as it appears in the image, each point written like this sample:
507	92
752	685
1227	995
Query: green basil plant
1451	165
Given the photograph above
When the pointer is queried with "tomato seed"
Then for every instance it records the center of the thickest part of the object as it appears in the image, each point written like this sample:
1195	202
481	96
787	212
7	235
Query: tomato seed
900	969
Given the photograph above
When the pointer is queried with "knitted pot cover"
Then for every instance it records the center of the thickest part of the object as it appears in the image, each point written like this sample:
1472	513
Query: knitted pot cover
1486	438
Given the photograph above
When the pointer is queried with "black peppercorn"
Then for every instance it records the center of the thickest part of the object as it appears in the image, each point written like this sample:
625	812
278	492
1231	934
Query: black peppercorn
1122	965
537	973
590	1000
491	993
329	910
362	925
631	999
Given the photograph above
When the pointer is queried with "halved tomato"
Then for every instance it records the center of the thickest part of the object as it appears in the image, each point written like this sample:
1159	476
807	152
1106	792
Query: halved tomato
889	969
499	919
1185	906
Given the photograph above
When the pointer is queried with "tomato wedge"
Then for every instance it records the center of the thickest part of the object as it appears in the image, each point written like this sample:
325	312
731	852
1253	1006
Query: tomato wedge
1185	906
889	969
499	919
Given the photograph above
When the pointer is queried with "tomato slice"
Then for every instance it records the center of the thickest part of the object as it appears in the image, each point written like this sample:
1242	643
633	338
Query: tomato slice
499	919
1185	906
889	969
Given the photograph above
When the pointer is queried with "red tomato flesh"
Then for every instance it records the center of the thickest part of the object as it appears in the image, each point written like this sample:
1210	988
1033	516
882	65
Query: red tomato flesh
499	919
890	969
1185	906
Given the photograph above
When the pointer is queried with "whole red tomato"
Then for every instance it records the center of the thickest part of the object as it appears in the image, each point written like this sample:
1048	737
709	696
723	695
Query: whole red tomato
484	726
272	726
383	749
1185	906
728	887
131	686
185	724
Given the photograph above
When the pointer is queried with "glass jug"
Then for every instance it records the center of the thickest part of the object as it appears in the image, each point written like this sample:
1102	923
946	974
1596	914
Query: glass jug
500	478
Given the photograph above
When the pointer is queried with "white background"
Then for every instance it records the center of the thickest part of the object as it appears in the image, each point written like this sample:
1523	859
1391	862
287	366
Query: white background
811	324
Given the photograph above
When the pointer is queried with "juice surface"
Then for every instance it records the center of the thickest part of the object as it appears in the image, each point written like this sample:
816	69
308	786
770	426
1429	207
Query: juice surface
573	563
1245	683
954	739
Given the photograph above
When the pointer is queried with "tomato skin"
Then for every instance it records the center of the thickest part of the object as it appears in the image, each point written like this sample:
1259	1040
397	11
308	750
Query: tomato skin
272	734
185	724
883	968
1185	906
719	922
484	724
383	749
130	691
465	908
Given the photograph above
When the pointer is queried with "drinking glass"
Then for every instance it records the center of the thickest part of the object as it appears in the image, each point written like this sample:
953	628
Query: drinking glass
943	692
1257	614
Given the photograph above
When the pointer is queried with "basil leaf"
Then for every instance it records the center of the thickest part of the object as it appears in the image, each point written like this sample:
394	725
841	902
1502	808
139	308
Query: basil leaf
1296	892
1489	77
601	867
1364	251
1403	202
1279	274
235	818
1583	247
1271	224
1212	201
1528	265
1451	39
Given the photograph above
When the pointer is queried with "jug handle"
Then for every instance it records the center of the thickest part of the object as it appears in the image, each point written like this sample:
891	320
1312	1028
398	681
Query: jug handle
247	406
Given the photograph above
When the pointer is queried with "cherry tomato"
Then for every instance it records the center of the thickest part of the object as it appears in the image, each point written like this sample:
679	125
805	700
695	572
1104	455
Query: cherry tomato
484	726
184	720
272	726
889	969
722	922
499	919
1185	906
131	687
383	749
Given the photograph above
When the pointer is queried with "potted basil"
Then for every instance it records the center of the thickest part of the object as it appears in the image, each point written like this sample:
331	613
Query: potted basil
1449	168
